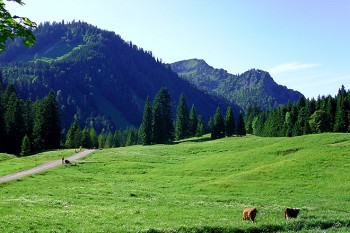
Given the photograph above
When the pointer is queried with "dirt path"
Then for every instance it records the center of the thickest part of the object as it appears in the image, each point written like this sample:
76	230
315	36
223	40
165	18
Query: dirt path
43	167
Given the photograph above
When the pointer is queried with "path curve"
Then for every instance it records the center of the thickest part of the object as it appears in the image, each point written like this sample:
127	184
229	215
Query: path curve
43	166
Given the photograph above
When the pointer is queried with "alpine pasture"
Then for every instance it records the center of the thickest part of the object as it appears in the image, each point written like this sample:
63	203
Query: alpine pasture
196	185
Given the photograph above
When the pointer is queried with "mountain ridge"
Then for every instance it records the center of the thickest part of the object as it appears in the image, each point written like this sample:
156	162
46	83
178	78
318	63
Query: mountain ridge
252	86
96	75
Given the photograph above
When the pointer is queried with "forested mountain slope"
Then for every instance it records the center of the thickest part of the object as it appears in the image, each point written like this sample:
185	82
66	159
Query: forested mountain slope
95	74
253	86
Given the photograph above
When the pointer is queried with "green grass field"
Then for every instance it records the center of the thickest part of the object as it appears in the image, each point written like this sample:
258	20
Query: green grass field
197	185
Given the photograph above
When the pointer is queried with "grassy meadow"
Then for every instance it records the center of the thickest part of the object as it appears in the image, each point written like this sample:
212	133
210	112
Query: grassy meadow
196	185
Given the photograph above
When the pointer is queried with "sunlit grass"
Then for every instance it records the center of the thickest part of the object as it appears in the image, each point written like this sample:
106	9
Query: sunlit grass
11	164
192	186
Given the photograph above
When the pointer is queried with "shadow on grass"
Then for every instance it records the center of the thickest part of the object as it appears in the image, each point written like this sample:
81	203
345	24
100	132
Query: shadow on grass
292	226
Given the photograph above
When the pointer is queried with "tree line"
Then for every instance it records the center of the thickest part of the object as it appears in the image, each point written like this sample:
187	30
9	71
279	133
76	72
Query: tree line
27	126
306	116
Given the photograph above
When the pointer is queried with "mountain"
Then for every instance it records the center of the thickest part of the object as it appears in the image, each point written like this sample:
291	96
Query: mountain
96	75
253	86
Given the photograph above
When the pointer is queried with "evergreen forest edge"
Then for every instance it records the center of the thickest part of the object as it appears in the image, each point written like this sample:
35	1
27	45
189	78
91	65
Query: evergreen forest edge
29	127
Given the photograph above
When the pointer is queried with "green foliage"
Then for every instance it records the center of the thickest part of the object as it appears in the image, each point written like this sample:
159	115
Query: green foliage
182	119
74	135
200	127
193	186
253	86
230	127
46	128
318	121
38	121
218	130
193	122
93	138
162	123
15	26
241	125
326	114
25	147
145	133
95	74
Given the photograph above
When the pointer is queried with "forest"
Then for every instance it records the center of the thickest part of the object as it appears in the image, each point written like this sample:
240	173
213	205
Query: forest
306	116
96	75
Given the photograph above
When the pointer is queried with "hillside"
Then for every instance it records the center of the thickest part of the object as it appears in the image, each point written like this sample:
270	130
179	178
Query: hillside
253	86
96	75
198	185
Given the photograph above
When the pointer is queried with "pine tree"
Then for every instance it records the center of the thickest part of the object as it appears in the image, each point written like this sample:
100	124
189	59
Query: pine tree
200	127
46	123
162	123
74	135
116	138
252	112
13	124
241	131
93	138
218	130
131	136
193	124
101	140
145	132
109	140
85	138
341	116
25	147
51	124
182	119
230	127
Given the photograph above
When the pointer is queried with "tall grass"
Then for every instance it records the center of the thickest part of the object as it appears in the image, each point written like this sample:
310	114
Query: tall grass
192	186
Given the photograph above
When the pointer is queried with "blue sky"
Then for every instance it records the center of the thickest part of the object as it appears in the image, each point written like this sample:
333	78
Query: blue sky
304	44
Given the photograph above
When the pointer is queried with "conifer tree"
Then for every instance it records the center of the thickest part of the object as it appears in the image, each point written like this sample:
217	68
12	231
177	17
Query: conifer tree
241	131
193	124
109	140
73	138
145	132
218	130
341	116
51	124
85	138
13	124
200	127
25	147
162	123
230	127
116	138
101	140
46	123
131	136
93	138
182	119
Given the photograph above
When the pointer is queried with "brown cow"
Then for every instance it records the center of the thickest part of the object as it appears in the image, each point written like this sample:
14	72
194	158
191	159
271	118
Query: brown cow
249	213
291	213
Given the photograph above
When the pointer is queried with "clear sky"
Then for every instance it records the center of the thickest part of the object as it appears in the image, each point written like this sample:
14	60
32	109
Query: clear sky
304	44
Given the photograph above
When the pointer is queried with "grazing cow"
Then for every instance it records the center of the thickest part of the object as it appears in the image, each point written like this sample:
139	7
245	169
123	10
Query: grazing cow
67	161
249	213
291	213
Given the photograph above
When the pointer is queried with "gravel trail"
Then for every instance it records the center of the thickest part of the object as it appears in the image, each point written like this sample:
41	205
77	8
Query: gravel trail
43	167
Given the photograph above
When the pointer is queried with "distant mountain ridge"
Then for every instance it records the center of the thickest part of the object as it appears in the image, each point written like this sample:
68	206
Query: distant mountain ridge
96	75
253	86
